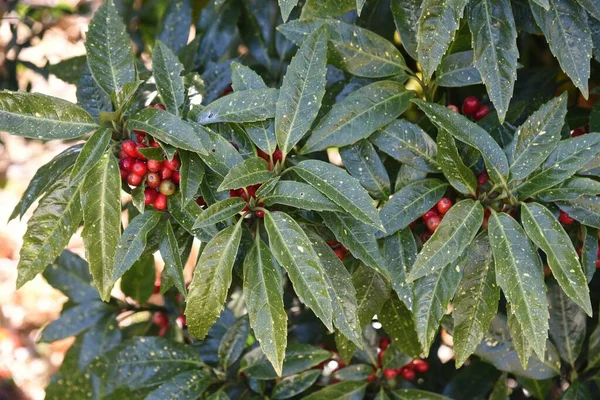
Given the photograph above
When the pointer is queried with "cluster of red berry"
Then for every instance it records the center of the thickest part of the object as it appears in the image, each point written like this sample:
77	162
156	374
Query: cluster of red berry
162	177
407	372
433	217
471	108
248	193
338	249
272	159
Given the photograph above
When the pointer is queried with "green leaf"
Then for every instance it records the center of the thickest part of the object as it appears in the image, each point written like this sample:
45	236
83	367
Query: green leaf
220	211
251	171
593	353
457	70
44	178
298	358
69	70
394	358
399	253
302	91
359	115
340	391
454	169
577	391
591	7
398	322
75	320
456	231
169	251
192	173
176	25
407	175
406	15
220	395
356	372
168	128
357	237
233	342
102	338
263	284
435	31
245	106
90	96
294	252
138	281
70	382
101	203
501	390
49	229
570	189
538	137
286	7
299	195
548	234
519	274
589	251
132	244
415	394
186	216
476	300
565	160
244	78
585	209
70	274
186	385
38	116
320	9
294	385
407	143
211	280
109	53
565	25
495	52
90	155
222	156
567	324
167	73
372	291
341	188
341	291
263	135
470	133
410	203
432	295
519	340
542	3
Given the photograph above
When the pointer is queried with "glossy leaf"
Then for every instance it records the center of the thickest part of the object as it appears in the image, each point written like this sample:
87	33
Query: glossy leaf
264	298
457	70
70	274
435	31
359	115
372	291
476	300
38	116
90	155
456	231
415	394
548	234
410	203
585	209
357	237
538	137
186	385
191	174
341	188
519	274
170	253
299	195
589	251
168	128
591	7
495	53
298	358
319	9
263	135
286	8
75	320
167	73
244	78
186	216
406	15
400	252
138	281
570	189
211	280
348	390
109	53
302	91
251	171
220	211
432	295
233	342
295	384
90	96
407	143
398	322
176	25
222	156
294	252
565	25
453	167
245	106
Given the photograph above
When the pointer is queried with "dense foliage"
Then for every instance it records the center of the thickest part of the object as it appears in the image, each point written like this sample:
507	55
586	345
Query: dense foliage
361	176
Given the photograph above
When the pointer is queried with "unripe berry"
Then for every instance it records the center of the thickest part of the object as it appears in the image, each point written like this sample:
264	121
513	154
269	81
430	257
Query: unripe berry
127	163
134	179
129	148
444	205
483	178
139	168
154	165
433	223
167	187
408	374
420	366
482	112
173	164
149	196
166	173
470	105
390	373
160	203
453	108
152	180
564	218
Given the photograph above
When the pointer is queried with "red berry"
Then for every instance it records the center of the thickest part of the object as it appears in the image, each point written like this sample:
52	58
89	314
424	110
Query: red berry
152	180
227	90
155	144
408	374
453	108
139	168
341	253
176	177
123	174
149	196
597	264
200	201
371	378
154	165
482	112
260	214
425	236
564	218
173	164
433	223
579	250
156	286
134	179
421	366
159	318
384	342
482	179
129	148
139	136
182	321
252	190
262	154
127	163
444	205
167	187
390	373
332	243
577	132
166	173
139	155
234	144
234	193
160	203
431	213
277	155
380	357
159	106
547	271
470	105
